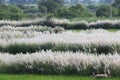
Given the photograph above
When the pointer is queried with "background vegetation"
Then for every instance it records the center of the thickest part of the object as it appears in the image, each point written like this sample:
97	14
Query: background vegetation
58	9
8	12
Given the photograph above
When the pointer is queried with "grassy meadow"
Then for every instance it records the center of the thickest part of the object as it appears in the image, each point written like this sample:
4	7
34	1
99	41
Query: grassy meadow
48	77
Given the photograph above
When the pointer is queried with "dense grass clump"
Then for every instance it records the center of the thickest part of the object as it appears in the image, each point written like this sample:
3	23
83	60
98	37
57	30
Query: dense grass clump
60	63
16	40
66	24
93	49
31	28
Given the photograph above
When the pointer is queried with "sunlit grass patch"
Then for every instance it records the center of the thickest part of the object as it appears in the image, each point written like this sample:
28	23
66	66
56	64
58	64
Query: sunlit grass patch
49	77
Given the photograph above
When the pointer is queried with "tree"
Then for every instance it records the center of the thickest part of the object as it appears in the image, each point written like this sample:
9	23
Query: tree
78	7
43	9
51	5
117	5
64	13
75	11
8	12
104	11
92	8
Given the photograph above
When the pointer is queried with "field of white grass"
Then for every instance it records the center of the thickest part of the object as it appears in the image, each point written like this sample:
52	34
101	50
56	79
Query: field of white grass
48	62
42	50
98	37
31	39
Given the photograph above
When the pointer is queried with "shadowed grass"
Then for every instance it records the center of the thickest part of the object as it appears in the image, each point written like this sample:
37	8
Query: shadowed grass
92	48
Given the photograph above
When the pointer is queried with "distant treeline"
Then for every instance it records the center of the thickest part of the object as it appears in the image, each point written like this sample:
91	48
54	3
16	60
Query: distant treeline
57	9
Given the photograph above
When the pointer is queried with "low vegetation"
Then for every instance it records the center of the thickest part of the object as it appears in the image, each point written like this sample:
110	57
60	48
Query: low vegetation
31	39
48	77
64	23
37	41
60	63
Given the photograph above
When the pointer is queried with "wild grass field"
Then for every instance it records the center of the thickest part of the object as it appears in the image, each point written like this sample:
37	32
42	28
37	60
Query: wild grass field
33	47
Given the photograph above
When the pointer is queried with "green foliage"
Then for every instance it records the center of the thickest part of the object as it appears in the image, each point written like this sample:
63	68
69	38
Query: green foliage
73	12
30	11
43	9
77	7
92	8
54	6
49	5
117	5
104	11
64	13
8	12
